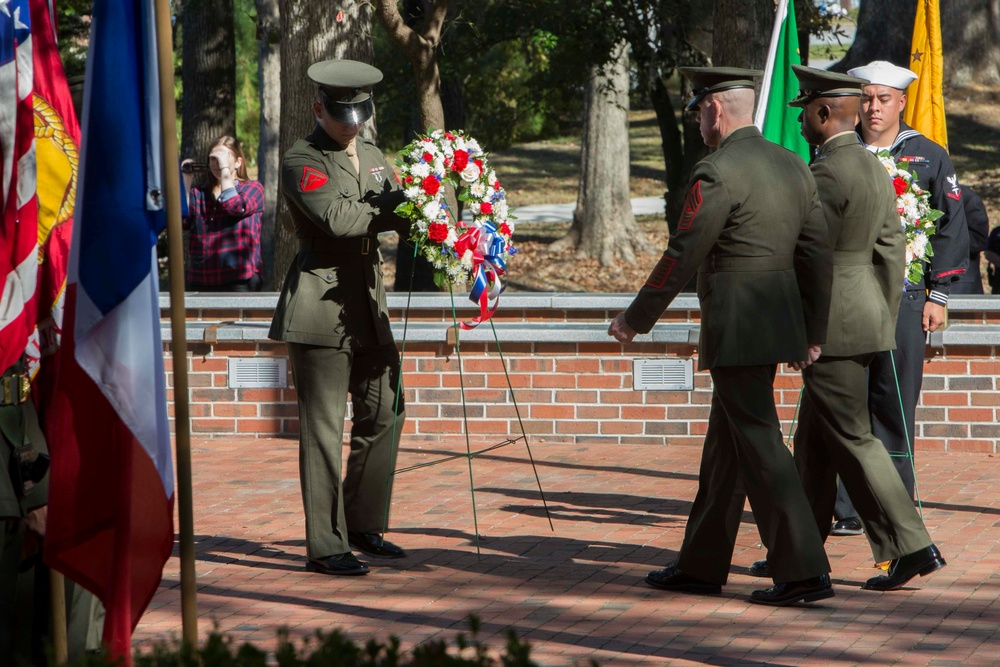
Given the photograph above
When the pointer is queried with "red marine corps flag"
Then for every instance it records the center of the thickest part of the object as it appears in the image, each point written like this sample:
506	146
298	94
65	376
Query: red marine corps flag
57	159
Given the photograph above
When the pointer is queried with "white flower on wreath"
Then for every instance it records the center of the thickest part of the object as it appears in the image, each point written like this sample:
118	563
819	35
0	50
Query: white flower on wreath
500	209
421	170
467	257
471	173
432	210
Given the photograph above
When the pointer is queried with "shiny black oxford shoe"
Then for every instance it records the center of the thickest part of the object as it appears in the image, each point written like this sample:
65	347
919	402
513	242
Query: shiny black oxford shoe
760	568
904	568
671	578
372	544
806	590
849	526
338	564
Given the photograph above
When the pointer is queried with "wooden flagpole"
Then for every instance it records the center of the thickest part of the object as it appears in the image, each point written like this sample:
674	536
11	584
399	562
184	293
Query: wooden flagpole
178	344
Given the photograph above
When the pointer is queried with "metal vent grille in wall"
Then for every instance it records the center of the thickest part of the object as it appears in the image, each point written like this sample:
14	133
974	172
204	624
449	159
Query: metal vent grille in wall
663	374
258	372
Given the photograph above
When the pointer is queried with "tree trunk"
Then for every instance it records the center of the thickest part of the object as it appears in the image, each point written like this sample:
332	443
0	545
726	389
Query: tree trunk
970	32
603	225
420	48
268	157
418	36
208	72
311	31
742	33
885	29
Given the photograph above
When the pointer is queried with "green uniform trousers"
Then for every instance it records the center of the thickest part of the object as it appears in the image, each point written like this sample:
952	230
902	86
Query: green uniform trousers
744	457
834	437
323	377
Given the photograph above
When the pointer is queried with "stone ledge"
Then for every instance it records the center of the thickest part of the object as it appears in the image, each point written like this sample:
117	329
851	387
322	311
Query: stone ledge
436	301
506	332
525	332
967	334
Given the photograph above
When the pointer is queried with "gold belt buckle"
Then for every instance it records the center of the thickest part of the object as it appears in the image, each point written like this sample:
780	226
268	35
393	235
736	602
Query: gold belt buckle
16	389
365	245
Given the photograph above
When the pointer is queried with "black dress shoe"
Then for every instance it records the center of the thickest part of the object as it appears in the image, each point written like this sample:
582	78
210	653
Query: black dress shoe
849	526
671	578
806	590
373	545
342	564
760	568
904	568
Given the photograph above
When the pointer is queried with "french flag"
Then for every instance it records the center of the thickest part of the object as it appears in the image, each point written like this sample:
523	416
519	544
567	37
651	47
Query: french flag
110	521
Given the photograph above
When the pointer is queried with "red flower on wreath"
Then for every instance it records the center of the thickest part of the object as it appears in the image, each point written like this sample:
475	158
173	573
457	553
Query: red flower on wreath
461	160
900	185
486	208
505	229
437	232
431	185
428	157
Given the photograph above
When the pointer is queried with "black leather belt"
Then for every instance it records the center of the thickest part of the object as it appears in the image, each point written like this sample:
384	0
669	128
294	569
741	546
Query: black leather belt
715	263
354	245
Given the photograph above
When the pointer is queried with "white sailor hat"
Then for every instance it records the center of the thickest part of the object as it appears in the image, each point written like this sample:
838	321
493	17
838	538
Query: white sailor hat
883	73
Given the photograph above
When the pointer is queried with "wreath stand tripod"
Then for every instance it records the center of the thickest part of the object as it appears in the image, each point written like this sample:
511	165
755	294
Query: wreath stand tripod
469	454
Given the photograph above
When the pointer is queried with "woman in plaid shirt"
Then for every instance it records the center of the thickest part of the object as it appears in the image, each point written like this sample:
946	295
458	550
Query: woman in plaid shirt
223	224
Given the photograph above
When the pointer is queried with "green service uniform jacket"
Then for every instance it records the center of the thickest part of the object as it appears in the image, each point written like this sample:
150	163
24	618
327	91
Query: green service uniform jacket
333	294
763	273
834	434
868	247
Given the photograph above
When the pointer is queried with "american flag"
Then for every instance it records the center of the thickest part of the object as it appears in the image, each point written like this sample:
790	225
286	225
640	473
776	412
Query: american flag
19	229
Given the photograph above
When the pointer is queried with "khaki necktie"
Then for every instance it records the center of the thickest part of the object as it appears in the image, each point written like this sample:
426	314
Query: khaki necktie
352	155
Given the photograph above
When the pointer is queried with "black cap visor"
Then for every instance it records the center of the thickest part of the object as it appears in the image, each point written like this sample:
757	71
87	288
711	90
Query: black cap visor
351	113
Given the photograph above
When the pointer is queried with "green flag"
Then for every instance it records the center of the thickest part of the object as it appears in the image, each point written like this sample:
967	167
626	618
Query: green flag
777	121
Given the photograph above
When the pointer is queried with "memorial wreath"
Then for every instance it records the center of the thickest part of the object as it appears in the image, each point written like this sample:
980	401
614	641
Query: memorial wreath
459	252
913	204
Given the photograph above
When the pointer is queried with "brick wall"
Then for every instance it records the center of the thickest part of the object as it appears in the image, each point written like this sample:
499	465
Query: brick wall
568	382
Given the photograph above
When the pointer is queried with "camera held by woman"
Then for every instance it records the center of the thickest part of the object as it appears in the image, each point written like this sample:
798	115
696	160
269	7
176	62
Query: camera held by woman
223	222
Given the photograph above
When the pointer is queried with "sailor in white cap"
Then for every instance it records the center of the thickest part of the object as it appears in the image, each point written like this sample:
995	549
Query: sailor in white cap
923	306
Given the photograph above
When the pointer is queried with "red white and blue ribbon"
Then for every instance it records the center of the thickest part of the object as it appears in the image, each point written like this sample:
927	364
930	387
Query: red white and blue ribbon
488	269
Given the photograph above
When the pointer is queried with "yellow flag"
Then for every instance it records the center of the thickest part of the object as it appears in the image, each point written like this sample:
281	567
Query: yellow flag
924	109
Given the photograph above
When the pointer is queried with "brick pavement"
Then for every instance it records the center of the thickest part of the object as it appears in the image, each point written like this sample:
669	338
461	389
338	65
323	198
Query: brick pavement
575	593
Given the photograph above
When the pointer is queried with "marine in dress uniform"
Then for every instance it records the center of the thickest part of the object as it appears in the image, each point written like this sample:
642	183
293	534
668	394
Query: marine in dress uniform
24	484
834	433
753	230
341	192
923	306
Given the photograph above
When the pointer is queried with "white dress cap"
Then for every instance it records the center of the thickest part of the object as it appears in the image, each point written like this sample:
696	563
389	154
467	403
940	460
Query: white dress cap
884	73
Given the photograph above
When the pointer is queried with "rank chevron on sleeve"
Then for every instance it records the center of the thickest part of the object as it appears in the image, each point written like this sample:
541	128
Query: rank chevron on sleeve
312	179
